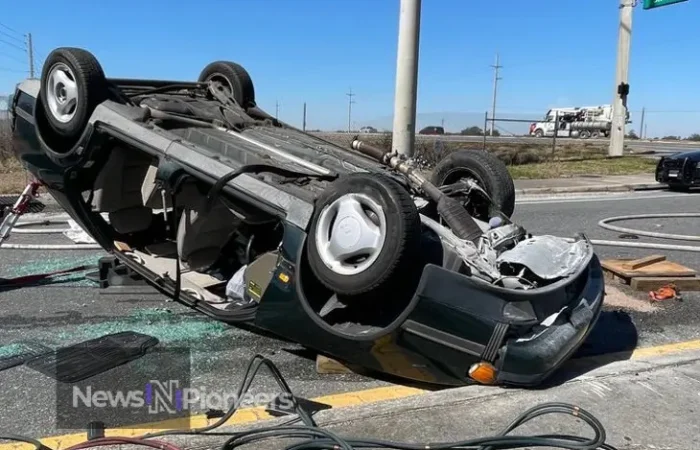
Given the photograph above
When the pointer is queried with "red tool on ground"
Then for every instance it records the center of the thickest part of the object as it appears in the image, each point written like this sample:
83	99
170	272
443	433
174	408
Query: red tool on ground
20	207
667	292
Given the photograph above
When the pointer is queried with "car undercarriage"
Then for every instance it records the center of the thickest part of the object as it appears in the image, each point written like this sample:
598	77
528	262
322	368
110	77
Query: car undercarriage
346	250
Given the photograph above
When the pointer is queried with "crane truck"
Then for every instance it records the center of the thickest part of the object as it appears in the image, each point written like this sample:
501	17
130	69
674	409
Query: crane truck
579	122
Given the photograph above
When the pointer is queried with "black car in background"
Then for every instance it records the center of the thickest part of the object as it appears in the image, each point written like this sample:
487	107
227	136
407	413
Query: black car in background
432	130
680	171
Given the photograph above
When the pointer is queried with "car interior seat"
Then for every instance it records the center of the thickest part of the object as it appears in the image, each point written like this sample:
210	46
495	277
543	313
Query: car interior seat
117	190
201	234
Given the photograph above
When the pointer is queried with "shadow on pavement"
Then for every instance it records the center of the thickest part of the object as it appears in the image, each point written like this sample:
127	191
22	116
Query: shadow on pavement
613	338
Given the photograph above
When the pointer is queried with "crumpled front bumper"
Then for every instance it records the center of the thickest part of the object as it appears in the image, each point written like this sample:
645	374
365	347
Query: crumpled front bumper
530	360
524	335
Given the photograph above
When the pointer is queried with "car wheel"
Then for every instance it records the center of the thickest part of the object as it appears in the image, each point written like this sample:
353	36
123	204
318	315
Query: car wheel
485	169
365	235
539	133
232	77
595	134
72	84
585	134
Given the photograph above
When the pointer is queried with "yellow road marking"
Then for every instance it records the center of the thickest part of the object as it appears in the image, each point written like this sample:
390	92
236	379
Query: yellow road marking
250	415
242	416
668	349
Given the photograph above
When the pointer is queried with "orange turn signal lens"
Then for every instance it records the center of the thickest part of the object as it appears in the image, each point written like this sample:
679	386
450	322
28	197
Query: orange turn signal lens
483	373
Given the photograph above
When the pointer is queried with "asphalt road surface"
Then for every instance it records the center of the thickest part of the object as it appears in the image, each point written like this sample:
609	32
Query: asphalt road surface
72	310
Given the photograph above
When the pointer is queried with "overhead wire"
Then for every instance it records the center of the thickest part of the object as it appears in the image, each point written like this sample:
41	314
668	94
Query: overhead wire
6	69
10	29
12	57
11	36
23	49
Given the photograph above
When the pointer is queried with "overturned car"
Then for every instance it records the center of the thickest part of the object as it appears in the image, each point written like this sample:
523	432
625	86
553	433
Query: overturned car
351	251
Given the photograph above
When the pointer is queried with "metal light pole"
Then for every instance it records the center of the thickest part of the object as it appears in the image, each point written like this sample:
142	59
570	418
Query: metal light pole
617	132
30	52
496	68
350	102
303	123
403	136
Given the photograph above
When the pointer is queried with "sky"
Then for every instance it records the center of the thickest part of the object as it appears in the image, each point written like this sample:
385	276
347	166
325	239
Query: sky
554	53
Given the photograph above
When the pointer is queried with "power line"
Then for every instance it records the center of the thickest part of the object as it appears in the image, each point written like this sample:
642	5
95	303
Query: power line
14	58
10	29
11	36
13	45
5	69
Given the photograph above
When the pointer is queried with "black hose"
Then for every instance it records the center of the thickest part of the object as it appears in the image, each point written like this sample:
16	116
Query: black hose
315	438
17	438
251	371
216	189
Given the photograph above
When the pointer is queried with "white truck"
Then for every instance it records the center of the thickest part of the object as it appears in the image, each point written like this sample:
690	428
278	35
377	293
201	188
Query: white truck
580	122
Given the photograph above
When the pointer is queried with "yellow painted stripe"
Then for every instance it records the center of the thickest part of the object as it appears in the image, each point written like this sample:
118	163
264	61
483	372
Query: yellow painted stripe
666	349
250	415
242	416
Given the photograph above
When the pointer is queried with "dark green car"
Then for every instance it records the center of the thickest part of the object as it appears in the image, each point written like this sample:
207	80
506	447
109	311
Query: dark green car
249	220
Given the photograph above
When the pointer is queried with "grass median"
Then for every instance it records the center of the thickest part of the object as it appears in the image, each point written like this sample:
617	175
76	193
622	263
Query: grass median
626	165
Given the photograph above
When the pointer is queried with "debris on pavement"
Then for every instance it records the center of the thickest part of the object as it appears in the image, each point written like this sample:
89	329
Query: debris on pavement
667	292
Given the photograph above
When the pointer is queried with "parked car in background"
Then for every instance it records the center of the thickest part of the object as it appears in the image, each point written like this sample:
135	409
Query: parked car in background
680	171
432	130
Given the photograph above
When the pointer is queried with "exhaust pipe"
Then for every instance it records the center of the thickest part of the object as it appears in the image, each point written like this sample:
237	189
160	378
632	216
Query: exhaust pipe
454	214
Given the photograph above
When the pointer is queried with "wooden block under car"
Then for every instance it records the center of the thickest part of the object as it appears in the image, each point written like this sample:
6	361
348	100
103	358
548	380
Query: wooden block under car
326	365
622	268
653	283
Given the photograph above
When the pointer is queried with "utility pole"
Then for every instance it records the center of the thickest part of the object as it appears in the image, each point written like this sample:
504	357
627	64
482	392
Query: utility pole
617	133
350	102
303	123
30	51
496	68
442	123
641	125
277	109
404	130
645	130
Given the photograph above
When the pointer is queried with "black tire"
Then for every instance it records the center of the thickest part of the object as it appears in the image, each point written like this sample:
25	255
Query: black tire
236	77
398	260
539	133
486	169
91	88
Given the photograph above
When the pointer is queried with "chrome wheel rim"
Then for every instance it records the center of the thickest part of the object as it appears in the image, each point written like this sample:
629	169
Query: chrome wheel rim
224	83
62	93
351	233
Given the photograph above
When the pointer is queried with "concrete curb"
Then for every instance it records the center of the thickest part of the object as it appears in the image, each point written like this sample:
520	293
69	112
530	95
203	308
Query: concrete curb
608	367
593	188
